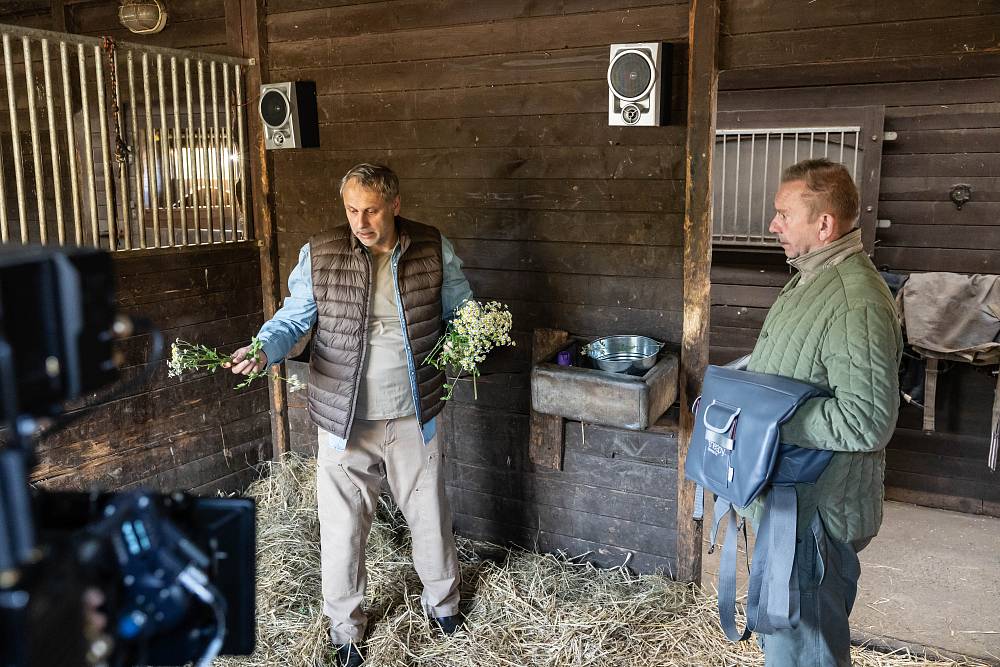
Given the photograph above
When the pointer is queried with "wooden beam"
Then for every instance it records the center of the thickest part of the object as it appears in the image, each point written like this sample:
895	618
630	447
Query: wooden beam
234	27
254	39
60	16
703	78
545	432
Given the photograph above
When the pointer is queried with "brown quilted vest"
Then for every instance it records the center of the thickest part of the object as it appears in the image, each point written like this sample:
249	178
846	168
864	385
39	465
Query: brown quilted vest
342	282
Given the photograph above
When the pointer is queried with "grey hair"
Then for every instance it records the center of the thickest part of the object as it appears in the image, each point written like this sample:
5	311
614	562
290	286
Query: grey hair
375	177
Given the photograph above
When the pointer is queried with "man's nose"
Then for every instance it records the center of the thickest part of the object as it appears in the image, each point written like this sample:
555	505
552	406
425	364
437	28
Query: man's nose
773	227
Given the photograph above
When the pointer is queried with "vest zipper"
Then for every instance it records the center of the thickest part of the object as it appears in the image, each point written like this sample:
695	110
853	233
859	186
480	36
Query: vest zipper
406	337
364	348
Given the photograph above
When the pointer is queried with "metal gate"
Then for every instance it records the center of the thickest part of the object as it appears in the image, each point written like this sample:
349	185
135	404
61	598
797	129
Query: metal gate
120	146
748	167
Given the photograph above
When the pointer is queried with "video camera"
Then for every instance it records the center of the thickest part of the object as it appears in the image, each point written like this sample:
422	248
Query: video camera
101	578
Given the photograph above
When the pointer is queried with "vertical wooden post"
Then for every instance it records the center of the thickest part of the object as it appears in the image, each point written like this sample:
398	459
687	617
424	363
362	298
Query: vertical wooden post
545	432
703	77
60	19
254	29
234	27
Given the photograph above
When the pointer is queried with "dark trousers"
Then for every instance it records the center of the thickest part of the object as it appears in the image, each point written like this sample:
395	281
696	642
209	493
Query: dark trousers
828	573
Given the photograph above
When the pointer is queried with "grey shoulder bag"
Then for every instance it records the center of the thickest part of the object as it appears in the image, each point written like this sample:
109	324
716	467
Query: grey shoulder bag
736	454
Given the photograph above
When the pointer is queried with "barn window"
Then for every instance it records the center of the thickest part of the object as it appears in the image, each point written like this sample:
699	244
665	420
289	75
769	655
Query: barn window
751	153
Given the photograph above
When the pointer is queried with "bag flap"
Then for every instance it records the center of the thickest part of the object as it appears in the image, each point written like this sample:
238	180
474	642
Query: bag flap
749	409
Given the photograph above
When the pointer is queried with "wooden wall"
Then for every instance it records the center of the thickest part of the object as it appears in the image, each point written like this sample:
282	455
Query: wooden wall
933	66
27	13
494	114
194	432
202	25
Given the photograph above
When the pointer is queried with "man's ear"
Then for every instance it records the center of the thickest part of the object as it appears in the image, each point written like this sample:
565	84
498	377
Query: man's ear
827	228
395	205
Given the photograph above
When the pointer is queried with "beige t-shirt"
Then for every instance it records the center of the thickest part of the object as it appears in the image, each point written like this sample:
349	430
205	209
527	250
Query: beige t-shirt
384	392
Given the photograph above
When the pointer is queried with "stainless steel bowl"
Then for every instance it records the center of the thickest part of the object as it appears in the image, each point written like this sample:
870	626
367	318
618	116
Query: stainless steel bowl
624	354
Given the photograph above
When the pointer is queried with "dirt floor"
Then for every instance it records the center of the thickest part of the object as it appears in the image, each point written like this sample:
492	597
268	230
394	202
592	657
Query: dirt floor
930	579
933	577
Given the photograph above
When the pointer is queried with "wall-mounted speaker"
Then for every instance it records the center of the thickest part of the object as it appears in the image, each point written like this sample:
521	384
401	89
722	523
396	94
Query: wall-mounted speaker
637	76
290	114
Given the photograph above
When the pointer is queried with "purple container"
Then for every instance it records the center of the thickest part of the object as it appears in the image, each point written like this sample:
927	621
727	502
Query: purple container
564	358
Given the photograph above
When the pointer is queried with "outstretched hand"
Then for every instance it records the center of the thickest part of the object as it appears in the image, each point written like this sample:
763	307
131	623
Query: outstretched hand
243	363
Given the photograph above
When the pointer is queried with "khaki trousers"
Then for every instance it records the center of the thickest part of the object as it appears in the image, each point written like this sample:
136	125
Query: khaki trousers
347	488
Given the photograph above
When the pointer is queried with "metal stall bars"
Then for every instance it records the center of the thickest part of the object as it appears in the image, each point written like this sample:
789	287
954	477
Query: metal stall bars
131	154
748	173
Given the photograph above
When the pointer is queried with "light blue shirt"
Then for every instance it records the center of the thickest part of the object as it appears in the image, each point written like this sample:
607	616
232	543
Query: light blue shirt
297	315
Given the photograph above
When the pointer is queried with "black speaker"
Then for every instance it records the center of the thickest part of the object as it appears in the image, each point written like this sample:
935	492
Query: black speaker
290	114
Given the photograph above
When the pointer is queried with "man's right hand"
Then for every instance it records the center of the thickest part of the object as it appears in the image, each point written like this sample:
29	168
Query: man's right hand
241	365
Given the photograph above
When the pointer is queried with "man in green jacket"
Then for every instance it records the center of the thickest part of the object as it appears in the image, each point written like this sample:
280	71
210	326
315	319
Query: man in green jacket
834	324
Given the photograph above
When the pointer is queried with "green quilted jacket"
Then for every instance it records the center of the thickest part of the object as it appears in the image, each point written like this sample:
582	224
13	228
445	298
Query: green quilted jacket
835	324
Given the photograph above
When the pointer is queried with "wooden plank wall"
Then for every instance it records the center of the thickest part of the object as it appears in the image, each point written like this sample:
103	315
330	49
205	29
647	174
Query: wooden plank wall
27	14
494	114
202	25
932	65
194	432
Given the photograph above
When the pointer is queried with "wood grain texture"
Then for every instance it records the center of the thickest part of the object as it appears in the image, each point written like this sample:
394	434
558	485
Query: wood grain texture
871	41
191	432
255	44
665	23
615	493
545	432
703	77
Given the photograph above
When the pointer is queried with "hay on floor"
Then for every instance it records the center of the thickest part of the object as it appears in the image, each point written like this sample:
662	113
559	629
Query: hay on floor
522	609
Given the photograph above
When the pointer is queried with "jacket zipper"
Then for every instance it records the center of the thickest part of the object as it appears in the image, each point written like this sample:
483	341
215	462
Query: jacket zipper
364	347
406	337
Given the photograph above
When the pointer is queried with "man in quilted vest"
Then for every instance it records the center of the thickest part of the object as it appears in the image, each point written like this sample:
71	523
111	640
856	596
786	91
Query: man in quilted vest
834	324
376	290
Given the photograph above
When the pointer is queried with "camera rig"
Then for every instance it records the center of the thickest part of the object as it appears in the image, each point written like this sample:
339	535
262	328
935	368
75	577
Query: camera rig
175	573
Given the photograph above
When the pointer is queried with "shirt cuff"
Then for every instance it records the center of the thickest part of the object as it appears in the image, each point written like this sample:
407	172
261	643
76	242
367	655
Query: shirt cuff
272	349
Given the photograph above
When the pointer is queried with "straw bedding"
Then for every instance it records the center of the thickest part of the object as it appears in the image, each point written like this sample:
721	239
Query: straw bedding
522	609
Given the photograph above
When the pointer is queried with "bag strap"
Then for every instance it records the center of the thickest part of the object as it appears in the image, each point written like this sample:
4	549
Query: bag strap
780	582
773	590
991	458
699	503
727	576
930	392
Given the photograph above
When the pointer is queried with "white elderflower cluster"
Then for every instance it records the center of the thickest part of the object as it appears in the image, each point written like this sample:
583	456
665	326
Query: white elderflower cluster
185	356
176	364
475	330
294	383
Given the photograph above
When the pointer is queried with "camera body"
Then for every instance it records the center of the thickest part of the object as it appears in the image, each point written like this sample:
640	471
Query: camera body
176	573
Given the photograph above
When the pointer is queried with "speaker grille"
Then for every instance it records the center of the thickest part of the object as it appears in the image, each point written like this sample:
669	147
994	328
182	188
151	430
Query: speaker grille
274	108
630	76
